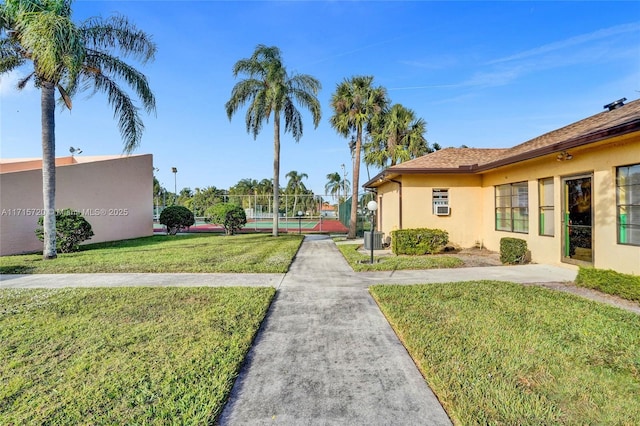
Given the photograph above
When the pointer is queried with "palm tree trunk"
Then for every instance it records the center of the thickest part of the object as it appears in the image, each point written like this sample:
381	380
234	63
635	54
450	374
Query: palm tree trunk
276	171
353	220
47	104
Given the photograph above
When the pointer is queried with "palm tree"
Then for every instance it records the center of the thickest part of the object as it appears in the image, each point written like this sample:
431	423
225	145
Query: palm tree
336	185
295	185
243	188
355	104
269	89
71	57
397	136
265	190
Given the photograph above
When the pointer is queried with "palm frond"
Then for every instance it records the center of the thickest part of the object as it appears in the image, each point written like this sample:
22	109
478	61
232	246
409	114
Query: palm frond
292	120
117	33
124	110
115	68
243	92
54	44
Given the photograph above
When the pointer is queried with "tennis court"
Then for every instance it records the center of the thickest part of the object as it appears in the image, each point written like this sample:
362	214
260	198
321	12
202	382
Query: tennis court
285	224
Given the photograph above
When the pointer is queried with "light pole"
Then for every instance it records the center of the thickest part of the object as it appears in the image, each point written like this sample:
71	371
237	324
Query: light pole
300	222
344	188
372	206
175	184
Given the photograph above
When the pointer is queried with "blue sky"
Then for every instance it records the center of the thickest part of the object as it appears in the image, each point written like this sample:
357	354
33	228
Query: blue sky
482	74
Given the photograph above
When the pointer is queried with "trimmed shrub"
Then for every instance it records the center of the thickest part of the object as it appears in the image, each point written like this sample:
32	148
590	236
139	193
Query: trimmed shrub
176	218
230	216
611	282
71	230
418	241
513	251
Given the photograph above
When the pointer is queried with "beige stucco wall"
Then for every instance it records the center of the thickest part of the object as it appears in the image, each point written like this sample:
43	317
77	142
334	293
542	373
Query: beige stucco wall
472	202
114	194
600	162
464	222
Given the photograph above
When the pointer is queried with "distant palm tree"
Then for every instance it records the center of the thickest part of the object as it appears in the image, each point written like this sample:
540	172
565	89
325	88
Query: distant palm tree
355	104
336	185
295	185
71	57
269	89
397	136
243	188
265	191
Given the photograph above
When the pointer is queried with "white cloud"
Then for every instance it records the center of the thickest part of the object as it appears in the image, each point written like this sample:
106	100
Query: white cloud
570	42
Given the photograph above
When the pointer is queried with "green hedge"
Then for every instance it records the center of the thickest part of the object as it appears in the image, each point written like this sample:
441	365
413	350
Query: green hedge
610	282
513	250
418	241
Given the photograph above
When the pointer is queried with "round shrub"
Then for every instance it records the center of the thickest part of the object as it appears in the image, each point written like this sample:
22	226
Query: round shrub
71	230
230	216
176	218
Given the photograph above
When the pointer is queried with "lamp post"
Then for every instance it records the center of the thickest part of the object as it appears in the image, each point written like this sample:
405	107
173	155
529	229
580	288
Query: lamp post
372	206
300	222
175	184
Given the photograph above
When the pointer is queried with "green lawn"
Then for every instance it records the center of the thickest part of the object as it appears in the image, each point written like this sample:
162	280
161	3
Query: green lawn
361	262
500	353
181	253
611	282
123	356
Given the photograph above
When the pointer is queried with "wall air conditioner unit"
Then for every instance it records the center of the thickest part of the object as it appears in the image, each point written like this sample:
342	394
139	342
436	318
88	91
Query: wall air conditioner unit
443	211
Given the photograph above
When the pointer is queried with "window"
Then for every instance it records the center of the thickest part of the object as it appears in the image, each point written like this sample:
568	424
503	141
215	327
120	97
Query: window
512	207
440	202
545	192
628	204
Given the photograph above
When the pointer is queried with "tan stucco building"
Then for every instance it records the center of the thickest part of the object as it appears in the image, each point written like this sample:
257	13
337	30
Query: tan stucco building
114	193
573	194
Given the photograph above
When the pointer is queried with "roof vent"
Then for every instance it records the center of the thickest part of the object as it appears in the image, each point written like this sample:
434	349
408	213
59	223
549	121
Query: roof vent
615	104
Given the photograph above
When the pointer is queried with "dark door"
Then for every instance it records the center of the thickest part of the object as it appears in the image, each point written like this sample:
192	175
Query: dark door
577	229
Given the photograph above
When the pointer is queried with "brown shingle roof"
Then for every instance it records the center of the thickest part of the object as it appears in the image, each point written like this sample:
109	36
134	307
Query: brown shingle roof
452	158
622	120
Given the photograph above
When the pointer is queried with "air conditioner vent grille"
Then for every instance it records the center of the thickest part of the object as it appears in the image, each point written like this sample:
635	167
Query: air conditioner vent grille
443	211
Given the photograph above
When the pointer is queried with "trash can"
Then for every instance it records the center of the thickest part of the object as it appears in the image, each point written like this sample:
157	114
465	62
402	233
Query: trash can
377	240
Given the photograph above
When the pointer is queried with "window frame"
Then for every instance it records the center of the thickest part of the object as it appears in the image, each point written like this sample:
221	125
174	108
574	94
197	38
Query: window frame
546	207
513	213
620	206
439	197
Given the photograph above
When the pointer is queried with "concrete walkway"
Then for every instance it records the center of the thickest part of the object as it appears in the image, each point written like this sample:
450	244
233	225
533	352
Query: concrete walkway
325	354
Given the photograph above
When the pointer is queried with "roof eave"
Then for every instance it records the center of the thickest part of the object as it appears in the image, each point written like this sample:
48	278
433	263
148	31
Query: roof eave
593	137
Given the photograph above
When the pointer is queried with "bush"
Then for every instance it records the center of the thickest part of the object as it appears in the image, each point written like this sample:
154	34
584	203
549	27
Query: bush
230	216
610	282
513	251
71	230
176	218
418	241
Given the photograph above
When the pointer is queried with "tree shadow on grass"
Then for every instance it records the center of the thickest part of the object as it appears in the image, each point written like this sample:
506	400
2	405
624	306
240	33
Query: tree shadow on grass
16	270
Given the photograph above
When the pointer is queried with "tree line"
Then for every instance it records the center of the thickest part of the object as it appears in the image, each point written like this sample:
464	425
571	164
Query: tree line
247	193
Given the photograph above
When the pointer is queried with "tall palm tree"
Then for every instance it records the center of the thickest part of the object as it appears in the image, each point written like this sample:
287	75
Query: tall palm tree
70	57
356	102
295	185
397	136
269	89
